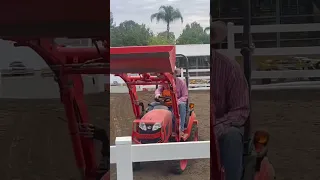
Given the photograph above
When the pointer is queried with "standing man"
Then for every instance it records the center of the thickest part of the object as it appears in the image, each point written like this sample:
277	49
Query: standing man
232	106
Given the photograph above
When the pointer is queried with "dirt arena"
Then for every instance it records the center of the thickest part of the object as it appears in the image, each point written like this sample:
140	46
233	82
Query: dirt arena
35	143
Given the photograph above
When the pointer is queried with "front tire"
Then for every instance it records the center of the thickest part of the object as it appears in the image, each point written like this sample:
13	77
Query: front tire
179	166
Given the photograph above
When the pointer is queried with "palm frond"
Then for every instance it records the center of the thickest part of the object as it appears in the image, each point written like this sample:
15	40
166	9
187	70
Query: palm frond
160	16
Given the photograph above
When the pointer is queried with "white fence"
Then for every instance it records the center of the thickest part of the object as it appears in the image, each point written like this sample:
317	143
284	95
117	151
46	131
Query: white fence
277	51
232	52
124	153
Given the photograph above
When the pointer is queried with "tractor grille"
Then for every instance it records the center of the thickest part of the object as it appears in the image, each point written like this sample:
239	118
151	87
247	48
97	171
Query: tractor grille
149	141
149	131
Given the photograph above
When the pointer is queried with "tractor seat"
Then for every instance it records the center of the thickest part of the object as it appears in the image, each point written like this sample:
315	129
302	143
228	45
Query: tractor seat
159	115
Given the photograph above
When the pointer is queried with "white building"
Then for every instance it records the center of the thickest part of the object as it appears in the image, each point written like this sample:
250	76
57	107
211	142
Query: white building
198	56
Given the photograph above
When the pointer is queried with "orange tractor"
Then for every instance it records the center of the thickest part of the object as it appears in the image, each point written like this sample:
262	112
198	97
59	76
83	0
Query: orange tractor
156	125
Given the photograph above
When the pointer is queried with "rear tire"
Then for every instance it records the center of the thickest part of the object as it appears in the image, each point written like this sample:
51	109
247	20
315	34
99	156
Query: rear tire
267	171
179	166
194	133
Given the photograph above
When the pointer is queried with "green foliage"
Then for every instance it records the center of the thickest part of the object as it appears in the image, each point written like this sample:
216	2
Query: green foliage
130	33
167	14
156	40
161	39
193	34
164	35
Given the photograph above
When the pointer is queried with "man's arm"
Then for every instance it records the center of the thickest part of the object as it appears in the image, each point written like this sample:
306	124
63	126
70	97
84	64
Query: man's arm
238	100
184	92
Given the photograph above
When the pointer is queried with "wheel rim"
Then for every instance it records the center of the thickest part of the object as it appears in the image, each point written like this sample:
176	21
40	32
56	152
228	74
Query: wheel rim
183	164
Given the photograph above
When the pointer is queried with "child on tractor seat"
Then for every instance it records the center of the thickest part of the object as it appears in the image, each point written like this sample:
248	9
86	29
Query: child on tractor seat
182	96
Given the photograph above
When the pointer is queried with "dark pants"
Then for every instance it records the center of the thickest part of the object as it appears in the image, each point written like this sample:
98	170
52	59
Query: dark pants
231	152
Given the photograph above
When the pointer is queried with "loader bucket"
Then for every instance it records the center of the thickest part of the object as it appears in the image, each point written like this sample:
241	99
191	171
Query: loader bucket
142	59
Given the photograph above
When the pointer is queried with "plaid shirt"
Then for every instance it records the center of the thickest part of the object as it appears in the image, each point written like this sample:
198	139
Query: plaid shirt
231	93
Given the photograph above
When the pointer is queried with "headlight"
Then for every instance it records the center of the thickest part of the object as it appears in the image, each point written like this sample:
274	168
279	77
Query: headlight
156	126
143	126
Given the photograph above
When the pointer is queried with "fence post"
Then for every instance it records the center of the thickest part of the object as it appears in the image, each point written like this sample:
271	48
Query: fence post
230	39
124	158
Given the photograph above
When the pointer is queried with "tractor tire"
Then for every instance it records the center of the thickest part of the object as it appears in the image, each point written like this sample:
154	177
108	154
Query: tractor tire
266	172
136	166
179	166
194	133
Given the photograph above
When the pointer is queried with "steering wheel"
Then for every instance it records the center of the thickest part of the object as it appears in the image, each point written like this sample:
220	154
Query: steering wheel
163	100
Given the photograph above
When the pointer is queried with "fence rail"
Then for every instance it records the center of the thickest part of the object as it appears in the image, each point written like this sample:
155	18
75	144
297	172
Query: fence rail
124	153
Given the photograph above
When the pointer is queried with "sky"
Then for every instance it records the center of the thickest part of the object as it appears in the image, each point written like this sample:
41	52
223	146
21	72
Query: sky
141	10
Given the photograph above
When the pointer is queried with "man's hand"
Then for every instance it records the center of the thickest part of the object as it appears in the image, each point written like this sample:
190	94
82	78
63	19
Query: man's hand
157	96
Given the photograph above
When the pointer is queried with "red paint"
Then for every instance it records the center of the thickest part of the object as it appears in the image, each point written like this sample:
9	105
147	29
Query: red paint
64	18
71	91
142	59
160	61
35	25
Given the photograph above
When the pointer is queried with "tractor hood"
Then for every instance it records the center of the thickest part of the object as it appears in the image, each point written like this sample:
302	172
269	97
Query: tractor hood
157	116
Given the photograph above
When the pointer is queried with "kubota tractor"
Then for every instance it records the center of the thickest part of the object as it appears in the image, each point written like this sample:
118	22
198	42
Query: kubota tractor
156	125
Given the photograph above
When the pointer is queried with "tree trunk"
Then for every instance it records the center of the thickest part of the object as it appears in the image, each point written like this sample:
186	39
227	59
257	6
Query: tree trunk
168	31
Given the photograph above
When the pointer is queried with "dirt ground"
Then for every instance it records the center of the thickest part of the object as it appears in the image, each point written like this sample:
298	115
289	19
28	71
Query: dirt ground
35	143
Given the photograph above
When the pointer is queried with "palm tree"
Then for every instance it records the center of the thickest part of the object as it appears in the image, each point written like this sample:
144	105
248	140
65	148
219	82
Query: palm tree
168	15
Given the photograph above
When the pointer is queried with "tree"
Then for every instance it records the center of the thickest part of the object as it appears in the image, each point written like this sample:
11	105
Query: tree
158	40
172	37
161	39
207	29
130	33
193	34
168	15
112	24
